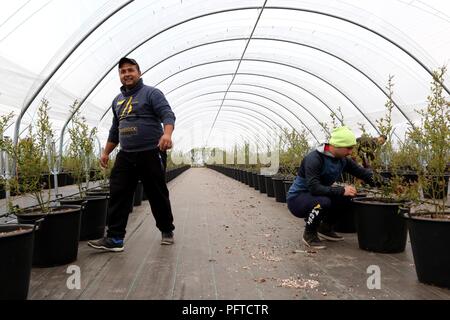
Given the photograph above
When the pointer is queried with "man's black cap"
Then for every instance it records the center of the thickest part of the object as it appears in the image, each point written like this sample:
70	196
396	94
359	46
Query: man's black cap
128	60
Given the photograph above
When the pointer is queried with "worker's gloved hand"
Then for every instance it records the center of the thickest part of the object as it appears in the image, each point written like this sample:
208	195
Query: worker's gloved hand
350	191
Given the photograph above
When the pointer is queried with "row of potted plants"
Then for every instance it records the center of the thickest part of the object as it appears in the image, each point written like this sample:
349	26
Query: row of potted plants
293	146
48	233
64	178
412	187
413	201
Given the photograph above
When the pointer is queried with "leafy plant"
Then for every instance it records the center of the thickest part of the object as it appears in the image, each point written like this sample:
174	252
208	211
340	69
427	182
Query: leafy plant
336	121
326	130
383	154
5	121
101	173
433	139
293	148
31	155
6	153
67	163
395	186
6	145
407	156
81	148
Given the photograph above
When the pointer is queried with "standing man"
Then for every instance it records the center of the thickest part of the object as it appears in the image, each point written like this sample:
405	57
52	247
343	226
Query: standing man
313	196
367	148
138	112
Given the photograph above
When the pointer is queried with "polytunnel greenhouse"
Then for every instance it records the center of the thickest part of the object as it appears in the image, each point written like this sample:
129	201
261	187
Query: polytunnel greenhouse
224	150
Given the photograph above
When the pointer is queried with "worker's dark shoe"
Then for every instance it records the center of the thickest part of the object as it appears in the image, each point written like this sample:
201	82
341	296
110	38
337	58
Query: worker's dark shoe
325	231
107	244
311	240
167	238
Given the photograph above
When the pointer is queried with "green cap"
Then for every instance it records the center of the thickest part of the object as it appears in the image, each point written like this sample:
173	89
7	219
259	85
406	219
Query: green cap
342	137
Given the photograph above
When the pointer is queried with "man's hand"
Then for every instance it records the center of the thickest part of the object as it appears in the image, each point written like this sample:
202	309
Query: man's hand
165	142
350	191
104	160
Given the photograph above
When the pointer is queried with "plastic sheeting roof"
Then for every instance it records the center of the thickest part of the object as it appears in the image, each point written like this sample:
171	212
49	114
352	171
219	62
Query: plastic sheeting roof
231	70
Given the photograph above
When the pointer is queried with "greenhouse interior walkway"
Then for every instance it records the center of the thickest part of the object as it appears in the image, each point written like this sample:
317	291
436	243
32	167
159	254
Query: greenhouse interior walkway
231	242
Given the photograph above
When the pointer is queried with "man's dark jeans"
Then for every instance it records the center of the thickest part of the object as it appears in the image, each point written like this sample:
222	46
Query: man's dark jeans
129	168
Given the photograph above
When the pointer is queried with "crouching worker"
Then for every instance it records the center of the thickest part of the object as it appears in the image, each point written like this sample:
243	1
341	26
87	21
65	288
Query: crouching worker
313	196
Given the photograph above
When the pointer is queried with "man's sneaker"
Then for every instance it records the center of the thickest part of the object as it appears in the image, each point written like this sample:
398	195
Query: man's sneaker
325	231
107	244
167	238
311	240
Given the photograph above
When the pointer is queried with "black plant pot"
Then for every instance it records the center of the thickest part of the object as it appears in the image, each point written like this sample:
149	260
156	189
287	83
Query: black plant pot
269	186
62	179
409	176
278	187
255	180
47	180
346	217
386	174
287	185
69	179
430	242
93	173
93	215
244	177
16	256
250	179
137	200
98	192
262	183
380	226
2	192
235	173
93	221
144	196
56	240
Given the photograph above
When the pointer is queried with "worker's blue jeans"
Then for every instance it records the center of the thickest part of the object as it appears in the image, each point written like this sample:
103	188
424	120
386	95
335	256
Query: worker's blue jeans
315	209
